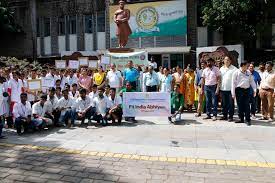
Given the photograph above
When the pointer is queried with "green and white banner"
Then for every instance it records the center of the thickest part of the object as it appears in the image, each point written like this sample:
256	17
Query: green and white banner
164	18
121	59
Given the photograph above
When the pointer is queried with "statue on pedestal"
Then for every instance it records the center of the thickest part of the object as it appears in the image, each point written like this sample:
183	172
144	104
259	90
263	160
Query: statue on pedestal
121	19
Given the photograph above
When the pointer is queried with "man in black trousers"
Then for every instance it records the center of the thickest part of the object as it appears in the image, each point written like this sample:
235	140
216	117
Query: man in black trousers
241	82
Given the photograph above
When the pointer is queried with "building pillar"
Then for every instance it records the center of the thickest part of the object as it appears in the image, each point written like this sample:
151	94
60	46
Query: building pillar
33	28
54	35
67	35
42	45
80	32
107	23
94	26
192	27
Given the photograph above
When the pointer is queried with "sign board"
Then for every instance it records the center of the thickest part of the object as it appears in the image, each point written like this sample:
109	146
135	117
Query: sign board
165	18
34	85
121	59
73	64
83	61
146	104
105	60
219	52
60	64
93	64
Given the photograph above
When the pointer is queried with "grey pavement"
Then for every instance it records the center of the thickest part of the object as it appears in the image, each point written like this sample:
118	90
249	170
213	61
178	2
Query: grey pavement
191	138
19	164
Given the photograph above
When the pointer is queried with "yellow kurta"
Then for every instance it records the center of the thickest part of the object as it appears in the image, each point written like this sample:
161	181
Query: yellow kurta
189	94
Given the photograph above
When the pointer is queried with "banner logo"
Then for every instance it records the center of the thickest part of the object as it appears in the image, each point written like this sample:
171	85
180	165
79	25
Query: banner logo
147	19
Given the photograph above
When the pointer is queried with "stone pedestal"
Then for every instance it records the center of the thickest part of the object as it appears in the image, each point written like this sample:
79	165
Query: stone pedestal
121	50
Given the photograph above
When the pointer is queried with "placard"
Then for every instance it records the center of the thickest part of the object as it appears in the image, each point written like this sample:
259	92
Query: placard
73	64
93	63
146	104
105	60
47	82
60	64
83	61
34	85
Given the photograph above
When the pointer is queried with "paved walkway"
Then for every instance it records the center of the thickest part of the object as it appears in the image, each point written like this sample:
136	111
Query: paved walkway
193	138
25	164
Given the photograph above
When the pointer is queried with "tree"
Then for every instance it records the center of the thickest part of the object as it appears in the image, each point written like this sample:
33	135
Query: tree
238	19
7	23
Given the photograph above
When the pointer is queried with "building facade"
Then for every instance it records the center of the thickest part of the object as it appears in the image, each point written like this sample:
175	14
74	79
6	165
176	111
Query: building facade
54	26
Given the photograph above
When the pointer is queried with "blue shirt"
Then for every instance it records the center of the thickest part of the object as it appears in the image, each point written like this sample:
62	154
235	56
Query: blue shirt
198	77
257	79
131	75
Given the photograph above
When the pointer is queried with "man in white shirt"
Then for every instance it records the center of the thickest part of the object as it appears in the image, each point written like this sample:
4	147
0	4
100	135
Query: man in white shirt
93	93
115	101
83	107
15	88
74	93
267	93
63	79
114	78
227	71
52	76
72	79
65	106
44	80
22	113
153	63
39	111
151	80
51	106
241	82
102	106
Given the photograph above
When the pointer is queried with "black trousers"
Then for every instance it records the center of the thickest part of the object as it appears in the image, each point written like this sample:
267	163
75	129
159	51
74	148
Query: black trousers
151	88
227	104
242	97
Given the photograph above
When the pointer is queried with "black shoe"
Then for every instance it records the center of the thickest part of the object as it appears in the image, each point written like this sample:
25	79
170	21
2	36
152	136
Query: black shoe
239	121
170	119
208	117
230	119
248	123
223	118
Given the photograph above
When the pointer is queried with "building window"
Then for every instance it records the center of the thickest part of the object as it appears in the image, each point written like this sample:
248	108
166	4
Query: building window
47	27
37	27
101	21
89	24
61	26
72	25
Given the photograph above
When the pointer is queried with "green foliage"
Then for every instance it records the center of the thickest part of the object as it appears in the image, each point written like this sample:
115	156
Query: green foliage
7	23
240	15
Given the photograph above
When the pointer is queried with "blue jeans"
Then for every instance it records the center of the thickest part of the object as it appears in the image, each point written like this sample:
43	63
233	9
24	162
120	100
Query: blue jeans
69	114
19	122
211	100
227	104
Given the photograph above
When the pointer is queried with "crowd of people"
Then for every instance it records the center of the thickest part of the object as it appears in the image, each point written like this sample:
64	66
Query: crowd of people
96	95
